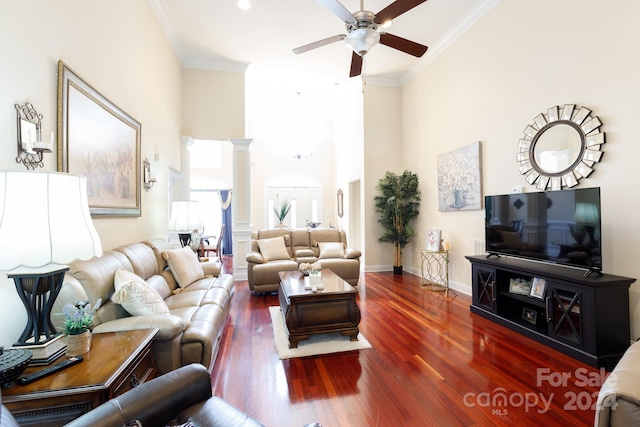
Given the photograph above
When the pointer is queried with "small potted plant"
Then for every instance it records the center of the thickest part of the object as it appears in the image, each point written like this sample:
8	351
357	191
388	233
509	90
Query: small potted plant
313	271
77	326
282	213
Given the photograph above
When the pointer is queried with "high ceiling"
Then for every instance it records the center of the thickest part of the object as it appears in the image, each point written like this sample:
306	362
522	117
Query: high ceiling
217	34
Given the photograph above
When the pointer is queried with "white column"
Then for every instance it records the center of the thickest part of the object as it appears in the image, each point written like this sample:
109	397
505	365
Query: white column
241	205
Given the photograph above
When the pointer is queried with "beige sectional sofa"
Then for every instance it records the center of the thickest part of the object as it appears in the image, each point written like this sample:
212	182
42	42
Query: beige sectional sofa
276	250
189	301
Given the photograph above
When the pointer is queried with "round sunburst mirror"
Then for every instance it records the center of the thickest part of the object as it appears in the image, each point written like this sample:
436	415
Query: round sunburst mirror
560	147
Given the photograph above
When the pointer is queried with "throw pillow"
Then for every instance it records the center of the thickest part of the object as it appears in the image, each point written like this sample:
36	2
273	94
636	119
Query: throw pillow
184	265
273	249
136	296
331	250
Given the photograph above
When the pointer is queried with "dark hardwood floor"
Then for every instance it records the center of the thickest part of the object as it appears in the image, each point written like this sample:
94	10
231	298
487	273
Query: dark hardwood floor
432	363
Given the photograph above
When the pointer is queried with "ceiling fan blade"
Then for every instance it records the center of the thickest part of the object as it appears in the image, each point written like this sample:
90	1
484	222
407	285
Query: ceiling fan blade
406	46
319	43
339	10
396	9
356	65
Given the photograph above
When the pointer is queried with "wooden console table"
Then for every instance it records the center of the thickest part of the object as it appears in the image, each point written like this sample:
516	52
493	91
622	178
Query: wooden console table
117	362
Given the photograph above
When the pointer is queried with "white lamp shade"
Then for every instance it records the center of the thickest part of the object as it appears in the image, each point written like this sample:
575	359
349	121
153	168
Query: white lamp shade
184	217
362	40
45	219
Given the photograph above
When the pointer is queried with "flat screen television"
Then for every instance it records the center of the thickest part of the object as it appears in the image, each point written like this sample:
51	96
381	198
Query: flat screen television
562	227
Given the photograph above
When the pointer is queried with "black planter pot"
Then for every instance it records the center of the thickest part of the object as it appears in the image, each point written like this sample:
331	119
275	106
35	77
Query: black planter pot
397	269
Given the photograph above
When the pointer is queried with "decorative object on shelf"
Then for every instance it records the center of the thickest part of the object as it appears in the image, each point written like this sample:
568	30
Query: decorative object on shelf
398	203
282	212
519	286
311	224
147	180
184	219
560	147
195	241
78	317
538	286
314	278
446	245
529	315
307	268
54	208
100	141
459	186
30	143
79	344
77	326
433	240
13	362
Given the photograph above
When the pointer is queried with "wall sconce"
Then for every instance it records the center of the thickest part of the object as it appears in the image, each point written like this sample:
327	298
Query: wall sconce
30	143
147	180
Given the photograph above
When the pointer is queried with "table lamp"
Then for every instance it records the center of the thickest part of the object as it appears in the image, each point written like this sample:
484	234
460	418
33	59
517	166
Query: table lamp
44	224
184	220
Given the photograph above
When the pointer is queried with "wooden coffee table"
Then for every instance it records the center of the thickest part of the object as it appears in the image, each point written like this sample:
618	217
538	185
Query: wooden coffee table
332	309
117	362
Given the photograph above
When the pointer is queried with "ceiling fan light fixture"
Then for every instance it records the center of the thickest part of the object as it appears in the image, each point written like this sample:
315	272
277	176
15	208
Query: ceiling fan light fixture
362	40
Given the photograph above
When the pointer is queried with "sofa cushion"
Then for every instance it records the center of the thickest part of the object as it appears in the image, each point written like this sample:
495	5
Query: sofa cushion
136	296
331	250
273	249
184	265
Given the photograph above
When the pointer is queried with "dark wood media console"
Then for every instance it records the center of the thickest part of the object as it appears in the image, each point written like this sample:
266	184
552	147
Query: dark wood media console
585	317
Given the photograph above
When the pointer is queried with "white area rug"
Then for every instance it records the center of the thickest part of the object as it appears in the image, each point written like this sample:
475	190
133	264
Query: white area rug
316	344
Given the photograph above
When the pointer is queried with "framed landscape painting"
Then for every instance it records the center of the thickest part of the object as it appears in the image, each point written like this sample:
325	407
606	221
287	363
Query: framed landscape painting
459	179
100	141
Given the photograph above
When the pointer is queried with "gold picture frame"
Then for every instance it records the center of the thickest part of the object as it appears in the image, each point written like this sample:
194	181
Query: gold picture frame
100	141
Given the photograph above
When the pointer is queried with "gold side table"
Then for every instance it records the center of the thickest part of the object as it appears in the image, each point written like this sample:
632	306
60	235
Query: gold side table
435	271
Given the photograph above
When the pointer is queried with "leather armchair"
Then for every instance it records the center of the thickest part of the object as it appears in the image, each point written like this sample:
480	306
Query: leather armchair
179	396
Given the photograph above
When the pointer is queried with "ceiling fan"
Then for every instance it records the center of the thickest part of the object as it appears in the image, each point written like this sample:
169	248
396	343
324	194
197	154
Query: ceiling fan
363	34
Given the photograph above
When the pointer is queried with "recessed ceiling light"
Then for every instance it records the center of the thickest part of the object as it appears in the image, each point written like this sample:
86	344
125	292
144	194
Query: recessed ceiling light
244	4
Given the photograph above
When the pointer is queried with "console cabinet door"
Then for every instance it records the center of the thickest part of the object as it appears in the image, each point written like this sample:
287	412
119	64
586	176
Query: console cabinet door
565	314
484	287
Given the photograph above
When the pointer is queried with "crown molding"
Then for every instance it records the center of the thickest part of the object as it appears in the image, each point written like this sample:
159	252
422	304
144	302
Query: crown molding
463	24
161	13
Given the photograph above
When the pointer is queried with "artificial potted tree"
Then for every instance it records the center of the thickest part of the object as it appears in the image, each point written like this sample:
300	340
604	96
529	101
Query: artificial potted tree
398	203
282	212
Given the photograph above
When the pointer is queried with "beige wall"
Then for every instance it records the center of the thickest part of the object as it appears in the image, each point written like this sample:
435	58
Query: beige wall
516	62
134	67
213	105
382	152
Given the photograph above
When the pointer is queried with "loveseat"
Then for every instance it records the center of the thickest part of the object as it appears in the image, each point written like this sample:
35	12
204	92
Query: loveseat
152	284
618	401
276	250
